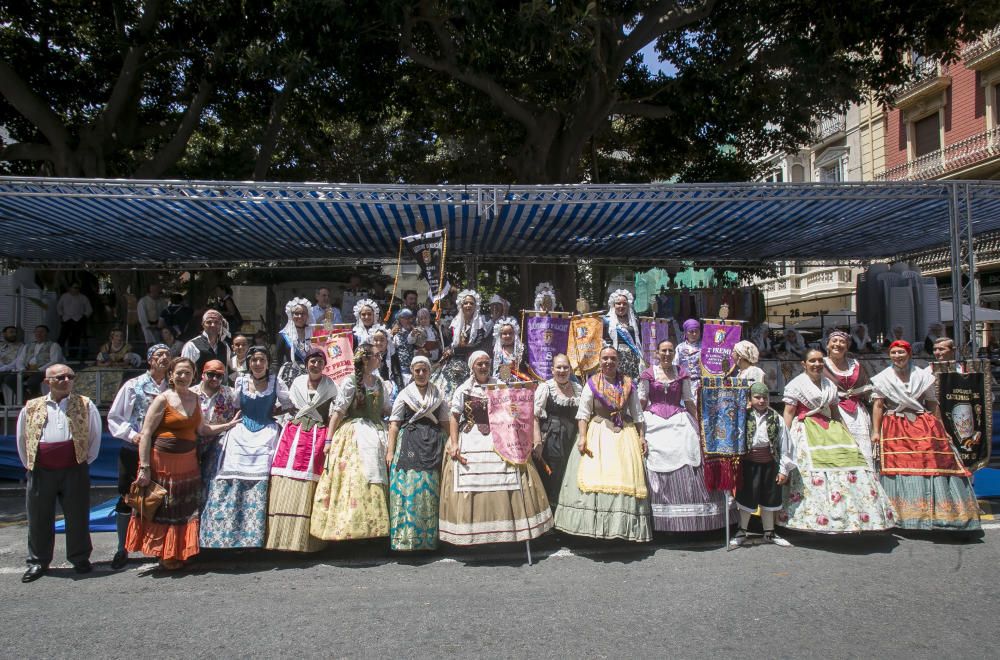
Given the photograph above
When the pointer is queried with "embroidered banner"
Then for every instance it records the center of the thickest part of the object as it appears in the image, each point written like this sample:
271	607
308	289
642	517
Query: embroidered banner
586	334
967	411
428	251
511	411
339	355
717	341
546	336
654	331
723	430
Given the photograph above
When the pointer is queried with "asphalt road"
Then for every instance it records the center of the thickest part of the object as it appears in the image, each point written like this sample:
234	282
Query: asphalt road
914	596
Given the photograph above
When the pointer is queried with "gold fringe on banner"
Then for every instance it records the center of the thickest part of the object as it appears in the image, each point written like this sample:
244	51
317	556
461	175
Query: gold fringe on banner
395	282
436	308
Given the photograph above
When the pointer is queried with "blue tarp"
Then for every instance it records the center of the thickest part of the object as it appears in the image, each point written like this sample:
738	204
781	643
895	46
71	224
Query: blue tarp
103	470
102	518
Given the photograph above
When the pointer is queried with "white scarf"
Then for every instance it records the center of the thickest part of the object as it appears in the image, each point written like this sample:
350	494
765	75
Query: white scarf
305	406
907	395
820	399
422	406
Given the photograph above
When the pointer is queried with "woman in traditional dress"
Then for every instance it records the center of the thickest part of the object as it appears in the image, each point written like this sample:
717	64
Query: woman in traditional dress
485	499
171	341
293	340
621	330
604	492
556	403
168	456
678	497
545	297
834	490
403	344
388	369
298	460
688	353
794	345
921	472
116	353
236	508
350	501
418	429
366	313
467	335
853	390
426	339
507	351
861	341
747	355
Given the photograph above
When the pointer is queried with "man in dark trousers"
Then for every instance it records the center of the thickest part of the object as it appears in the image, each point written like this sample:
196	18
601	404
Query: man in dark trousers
58	437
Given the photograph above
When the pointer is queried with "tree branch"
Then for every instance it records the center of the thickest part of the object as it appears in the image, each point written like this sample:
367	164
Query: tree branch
518	110
26	151
172	150
642	110
126	84
665	17
32	107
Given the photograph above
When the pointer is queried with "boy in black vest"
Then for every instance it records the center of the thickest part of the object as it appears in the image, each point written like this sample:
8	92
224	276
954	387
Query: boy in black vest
765	467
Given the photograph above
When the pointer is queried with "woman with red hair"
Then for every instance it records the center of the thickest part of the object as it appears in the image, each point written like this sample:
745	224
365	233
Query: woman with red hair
920	471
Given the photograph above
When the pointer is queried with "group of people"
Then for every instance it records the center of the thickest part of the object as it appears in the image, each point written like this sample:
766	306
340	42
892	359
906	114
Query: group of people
403	449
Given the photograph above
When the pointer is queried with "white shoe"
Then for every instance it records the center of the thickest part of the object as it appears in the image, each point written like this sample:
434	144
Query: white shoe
771	537
739	539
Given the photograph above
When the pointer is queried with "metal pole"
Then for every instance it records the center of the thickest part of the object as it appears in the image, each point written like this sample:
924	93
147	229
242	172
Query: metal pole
973	298
727	522
956	273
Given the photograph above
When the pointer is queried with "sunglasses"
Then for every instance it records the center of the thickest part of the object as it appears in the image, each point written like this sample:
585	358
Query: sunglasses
213	374
63	377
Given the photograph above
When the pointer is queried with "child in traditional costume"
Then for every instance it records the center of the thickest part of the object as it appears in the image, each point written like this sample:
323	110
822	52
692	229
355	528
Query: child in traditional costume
765	468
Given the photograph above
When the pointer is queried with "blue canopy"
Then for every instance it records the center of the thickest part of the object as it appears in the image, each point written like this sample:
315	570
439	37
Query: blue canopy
67	222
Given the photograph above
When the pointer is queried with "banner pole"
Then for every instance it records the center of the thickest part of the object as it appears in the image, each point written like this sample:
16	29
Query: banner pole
395	282
727	522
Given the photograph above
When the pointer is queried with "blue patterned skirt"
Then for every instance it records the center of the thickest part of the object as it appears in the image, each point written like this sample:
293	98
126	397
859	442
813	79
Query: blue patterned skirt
235	514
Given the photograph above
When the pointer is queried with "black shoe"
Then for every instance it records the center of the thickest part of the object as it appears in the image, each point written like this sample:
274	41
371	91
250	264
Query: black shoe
83	567
34	572
119	561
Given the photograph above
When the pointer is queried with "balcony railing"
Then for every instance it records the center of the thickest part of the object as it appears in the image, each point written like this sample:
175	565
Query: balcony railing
929	75
964	153
983	51
835	279
829	126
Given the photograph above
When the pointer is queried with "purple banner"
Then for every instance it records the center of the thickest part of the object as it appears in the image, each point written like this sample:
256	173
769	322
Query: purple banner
717	343
653	332
547	337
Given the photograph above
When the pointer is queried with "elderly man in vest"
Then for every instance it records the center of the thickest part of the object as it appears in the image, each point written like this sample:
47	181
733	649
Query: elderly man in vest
210	344
125	418
58	436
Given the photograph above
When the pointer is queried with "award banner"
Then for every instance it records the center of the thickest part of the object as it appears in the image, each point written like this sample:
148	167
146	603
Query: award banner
717	341
586	336
428	251
654	331
339	355
966	407
723	430
512	412
545	337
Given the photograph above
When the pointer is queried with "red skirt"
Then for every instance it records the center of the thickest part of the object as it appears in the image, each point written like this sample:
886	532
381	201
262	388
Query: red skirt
173	531
918	448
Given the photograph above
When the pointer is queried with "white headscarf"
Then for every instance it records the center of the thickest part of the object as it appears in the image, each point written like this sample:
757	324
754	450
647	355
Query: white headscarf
542	291
747	351
290	331
613	317
458	323
497	350
361	333
223	323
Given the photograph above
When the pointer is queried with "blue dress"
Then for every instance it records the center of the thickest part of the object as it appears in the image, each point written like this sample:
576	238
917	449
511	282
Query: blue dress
235	514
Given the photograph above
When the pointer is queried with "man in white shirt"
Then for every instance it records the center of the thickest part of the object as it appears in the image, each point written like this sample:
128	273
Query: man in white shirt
125	418
73	308
58	437
323	311
10	348
148	310
35	358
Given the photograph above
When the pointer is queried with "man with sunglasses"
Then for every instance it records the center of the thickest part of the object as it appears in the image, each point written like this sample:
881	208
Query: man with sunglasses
125	418
58	437
218	405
